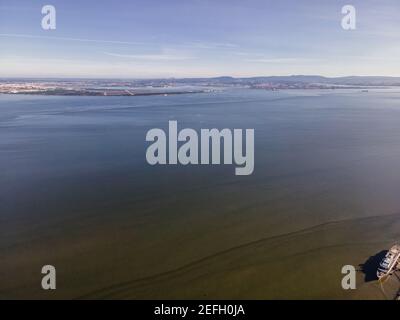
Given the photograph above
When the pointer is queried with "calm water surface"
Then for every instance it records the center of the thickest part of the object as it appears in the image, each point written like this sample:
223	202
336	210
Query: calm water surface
76	192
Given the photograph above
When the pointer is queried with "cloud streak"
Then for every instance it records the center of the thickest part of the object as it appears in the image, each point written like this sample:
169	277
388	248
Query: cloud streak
280	60
29	36
152	57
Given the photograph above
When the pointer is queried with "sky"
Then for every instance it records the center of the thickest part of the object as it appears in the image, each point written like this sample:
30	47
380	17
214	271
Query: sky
198	38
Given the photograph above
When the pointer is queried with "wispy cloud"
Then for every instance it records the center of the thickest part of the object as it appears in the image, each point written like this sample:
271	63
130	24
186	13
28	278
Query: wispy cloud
210	45
194	44
29	36
152	57
280	60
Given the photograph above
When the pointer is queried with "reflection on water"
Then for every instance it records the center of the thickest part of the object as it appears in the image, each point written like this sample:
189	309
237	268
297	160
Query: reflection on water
77	193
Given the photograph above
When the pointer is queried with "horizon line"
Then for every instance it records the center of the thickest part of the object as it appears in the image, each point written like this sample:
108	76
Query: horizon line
189	77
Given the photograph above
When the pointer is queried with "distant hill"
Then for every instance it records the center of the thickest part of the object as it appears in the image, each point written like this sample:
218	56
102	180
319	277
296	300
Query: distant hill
305	79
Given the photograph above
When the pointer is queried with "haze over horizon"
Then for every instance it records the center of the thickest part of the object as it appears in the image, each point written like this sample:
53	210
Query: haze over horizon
159	39
199	78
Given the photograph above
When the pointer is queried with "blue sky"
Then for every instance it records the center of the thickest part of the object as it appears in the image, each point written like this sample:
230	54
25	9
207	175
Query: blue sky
196	38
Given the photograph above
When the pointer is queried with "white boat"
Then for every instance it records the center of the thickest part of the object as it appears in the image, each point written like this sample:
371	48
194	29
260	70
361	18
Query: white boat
389	263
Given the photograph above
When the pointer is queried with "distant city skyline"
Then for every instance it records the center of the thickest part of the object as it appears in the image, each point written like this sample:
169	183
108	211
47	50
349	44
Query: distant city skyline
163	39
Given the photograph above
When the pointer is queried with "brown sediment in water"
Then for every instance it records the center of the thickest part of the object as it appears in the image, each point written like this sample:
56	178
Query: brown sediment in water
303	264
